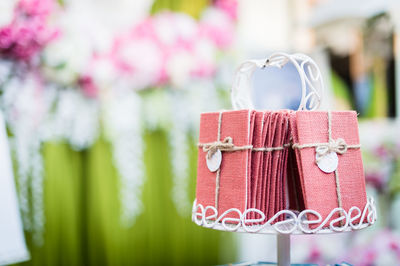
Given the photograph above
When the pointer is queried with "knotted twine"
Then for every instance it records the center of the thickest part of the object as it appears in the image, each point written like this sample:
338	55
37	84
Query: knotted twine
227	145
322	149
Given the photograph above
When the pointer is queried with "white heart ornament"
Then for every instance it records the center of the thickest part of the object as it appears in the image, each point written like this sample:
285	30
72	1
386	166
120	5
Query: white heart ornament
328	163
214	162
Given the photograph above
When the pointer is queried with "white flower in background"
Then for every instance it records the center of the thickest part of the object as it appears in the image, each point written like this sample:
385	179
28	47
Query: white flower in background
142	61
65	59
88	28
175	28
205	54
67	56
179	68
179	159
116	15
217	26
6	11
203	97
156	111
75	119
123	128
27	105
5	70
103	72
179	148
25	108
81	36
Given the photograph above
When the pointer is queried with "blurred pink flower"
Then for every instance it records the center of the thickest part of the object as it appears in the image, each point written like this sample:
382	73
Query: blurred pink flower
34	8
204	69
217	26
170	48
230	7
175	29
176	34
88	86
381	151
28	32
368	257
377	249
315	255
138	56
6	38
165	48
395	247
376	180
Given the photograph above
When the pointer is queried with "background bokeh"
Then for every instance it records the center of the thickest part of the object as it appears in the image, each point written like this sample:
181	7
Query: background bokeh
102	101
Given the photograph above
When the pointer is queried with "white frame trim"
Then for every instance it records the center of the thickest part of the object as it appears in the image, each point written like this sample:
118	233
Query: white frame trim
295	223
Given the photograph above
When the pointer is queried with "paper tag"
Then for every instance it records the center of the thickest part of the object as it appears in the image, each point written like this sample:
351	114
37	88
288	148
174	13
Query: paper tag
328	163
214	162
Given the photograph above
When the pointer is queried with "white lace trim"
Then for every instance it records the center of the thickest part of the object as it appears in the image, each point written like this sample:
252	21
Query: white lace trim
294	223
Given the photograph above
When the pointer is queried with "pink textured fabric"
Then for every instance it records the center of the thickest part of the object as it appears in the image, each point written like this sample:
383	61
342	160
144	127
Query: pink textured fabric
282	181
295	194
278	158
256	161
250	160
235	167
265	201
274	160
319	188
295	182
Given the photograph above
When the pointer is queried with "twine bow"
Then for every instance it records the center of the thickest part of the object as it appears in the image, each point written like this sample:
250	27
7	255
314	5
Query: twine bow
339	146
225	145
